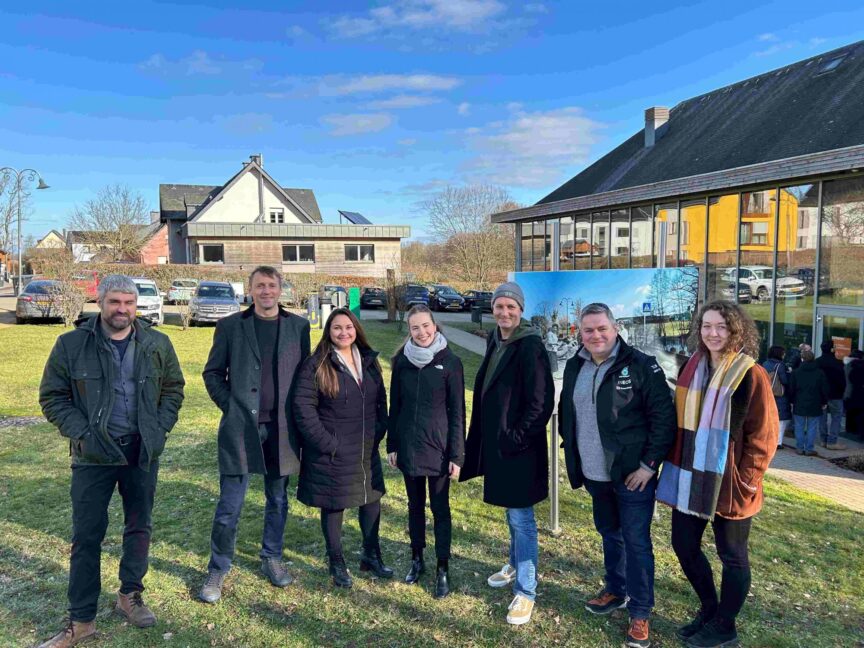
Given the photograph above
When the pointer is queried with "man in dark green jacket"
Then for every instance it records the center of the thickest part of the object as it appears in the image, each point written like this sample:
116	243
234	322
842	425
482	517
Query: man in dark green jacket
113	387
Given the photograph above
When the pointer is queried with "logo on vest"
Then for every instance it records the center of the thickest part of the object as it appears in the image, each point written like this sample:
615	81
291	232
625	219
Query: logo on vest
624	383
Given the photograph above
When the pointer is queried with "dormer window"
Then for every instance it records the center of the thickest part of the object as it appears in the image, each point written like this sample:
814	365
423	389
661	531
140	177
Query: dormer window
277	215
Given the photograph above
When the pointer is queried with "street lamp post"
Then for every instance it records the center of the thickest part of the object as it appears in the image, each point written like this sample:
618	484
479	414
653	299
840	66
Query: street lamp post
29	175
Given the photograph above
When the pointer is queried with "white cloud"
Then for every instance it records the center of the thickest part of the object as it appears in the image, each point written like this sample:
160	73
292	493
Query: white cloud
407	142
457	15
357	124
198	63
643	290
768	38
387	82
245	123
201	63
533	149
402	101
464	108
536	7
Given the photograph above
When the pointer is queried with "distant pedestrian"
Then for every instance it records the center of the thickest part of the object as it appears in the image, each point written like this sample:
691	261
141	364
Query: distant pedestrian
855	394
727	436
779	374
808	393
832	367
426	436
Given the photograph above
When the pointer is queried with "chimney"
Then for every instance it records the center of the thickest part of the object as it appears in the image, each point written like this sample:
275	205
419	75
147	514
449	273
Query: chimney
258	159
154	216
655	117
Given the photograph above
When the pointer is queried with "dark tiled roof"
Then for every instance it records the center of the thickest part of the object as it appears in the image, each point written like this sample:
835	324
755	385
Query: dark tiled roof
781	114
306	199
173	198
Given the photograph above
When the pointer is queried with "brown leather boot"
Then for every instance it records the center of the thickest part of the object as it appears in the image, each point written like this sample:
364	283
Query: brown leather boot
132	607
74	634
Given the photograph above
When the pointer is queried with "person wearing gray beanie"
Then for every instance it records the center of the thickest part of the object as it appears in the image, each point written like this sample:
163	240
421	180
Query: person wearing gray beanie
512	290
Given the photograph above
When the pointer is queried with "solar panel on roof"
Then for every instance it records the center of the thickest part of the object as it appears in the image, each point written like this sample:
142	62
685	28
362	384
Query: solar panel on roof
355	218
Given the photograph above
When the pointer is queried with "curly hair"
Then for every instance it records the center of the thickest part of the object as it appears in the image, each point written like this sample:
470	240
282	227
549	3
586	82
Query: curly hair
743	334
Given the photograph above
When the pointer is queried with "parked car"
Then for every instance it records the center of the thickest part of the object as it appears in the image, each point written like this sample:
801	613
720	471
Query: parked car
728	292
481	298
36	302
808	277
289	294
443	298
212	301
413	294
373	298
149	305
181	290
331	292
88	282
760	280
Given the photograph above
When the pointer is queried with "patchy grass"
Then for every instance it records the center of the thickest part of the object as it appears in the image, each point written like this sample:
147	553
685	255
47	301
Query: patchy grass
805	551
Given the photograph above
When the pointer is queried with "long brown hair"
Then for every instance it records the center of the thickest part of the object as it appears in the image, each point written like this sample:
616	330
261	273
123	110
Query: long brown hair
326	378
743	334
415	310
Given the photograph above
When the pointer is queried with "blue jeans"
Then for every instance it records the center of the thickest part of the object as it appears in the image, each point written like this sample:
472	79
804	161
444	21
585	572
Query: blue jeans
835	409
523	550
623	520
806	428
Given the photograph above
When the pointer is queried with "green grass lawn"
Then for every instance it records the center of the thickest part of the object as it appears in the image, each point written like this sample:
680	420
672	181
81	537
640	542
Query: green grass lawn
805	551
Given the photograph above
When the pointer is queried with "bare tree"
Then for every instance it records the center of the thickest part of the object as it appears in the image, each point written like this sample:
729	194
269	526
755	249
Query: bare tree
111	222
461	217
9	212
67	299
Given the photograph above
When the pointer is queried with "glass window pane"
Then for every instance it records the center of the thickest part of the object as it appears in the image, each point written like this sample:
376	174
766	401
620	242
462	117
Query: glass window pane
367	252
565	243
600	240
307	253
619	247
796	262
640	239
691	241
666	234
757	258
723	248
841	279
582	242
526	247
547	245
351	252
212	254
289	253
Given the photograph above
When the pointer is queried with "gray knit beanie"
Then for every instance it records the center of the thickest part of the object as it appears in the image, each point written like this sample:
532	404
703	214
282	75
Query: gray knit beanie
512	290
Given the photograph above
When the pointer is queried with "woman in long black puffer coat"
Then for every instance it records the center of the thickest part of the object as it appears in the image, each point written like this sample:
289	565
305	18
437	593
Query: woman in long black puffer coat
340	406
426	435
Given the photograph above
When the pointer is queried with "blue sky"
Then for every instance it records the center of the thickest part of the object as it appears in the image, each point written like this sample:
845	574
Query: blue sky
373	105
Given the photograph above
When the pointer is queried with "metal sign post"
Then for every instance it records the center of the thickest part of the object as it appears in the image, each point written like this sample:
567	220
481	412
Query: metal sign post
554	527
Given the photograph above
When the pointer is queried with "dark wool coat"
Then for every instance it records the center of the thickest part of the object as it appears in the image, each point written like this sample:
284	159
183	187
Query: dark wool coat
232	376
507	441
77	392
784	409
809	390
834	372
341	465
427	415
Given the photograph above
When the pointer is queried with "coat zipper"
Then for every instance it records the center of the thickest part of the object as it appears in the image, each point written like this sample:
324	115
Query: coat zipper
417	401
363	443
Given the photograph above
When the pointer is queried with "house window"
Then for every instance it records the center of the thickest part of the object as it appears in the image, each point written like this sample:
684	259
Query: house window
298	253
622	232
582	233
754	233
803	220
212	254
360	253
277	215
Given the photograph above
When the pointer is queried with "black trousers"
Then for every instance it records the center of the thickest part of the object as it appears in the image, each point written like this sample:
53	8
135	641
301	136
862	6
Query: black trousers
439	502
731	538
91	491
369	516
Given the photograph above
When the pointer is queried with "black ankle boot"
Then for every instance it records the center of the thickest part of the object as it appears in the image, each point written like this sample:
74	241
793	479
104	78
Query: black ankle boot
371	561
339	572
442	584
717	633
417	568
703	616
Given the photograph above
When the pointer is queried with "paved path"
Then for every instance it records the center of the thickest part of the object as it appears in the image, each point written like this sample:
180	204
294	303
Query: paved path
464	339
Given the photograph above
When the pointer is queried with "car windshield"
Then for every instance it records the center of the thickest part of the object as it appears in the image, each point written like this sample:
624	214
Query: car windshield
147	291
446	290
37	287
763	274
219	292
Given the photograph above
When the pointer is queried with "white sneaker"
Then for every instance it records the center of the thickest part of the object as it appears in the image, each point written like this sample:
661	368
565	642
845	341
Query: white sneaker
520	610
502	578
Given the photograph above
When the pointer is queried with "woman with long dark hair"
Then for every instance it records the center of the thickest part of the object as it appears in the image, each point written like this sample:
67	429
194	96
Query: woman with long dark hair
779	374
426	435
727	435
341	413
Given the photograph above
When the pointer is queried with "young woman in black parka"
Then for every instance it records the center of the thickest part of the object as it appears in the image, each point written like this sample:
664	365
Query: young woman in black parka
426	435
340	407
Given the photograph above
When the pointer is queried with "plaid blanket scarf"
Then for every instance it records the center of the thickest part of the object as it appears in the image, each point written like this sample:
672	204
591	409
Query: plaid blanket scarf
693	471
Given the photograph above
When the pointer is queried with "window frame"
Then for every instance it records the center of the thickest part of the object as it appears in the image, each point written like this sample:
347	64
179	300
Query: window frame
357	247
202	260
297	246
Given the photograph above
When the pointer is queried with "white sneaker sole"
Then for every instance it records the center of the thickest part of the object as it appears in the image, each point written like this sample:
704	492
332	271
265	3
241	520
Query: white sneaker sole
518	621
499	583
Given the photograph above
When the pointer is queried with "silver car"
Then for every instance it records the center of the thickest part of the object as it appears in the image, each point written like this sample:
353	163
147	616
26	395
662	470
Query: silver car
212	301
36	302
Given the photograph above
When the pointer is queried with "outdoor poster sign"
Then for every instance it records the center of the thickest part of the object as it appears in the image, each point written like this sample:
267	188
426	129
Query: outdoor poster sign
842	346
653	306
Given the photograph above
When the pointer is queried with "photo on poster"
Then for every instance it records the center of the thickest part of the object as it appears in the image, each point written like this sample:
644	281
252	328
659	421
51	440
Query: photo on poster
653	307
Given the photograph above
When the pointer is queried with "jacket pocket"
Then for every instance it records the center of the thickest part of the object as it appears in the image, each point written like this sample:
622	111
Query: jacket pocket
89	449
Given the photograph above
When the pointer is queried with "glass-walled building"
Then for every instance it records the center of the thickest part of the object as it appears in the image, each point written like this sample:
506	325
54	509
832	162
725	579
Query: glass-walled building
766	203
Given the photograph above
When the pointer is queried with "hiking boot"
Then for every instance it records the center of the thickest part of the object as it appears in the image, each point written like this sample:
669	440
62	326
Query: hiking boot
371	560
74	634
502	578
519	611
637	634
417	568
717	633
702	617
605	603
211	591
836	446
800	452
132	607
811	453
275	572
339	571
442	583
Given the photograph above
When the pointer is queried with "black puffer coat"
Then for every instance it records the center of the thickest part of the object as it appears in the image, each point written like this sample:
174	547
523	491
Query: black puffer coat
427	415
340	466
